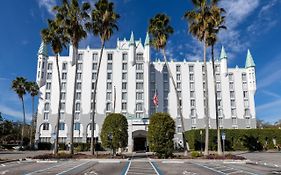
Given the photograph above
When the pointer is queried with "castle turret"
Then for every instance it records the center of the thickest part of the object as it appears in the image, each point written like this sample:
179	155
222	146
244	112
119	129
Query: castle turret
251	74
147	48
223	60
132	49
42	64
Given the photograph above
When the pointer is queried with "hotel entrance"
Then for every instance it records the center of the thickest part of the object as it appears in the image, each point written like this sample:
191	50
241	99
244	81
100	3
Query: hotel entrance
140	142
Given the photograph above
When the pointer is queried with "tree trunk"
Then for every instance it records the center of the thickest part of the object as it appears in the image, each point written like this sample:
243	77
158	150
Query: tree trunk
216	104
31	127
75	55
56	147
94	101
179	110
206	152
23	127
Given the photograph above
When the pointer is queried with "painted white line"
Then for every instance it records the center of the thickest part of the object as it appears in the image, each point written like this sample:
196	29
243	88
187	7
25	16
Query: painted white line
154	168
73	168
3	165
212	169
46	169
172	161
234	172
46	161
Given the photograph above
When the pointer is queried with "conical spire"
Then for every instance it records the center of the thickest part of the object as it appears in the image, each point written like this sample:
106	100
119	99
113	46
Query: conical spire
147	39
223	54
132	39
249	60
43	50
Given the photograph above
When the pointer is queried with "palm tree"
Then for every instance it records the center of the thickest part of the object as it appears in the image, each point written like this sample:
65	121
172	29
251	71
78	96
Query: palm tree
71	18
160	29
19	86
55	37
214	26
103	23
33	89
198	20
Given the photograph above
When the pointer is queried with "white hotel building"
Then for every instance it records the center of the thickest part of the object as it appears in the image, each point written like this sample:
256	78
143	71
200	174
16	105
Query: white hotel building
128	71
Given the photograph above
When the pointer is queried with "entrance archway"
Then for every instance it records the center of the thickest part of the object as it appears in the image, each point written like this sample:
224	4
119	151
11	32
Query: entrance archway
140	142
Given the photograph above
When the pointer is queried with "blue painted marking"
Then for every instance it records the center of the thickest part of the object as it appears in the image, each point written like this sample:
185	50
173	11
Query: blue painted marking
157	168
124	170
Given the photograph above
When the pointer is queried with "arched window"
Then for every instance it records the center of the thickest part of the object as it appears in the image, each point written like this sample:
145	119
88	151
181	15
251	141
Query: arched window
45	126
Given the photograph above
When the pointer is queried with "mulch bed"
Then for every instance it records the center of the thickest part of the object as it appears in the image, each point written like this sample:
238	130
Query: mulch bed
78	156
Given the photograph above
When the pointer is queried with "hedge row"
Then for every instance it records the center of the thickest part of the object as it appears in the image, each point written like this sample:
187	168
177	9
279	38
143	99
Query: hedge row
62	146
236	139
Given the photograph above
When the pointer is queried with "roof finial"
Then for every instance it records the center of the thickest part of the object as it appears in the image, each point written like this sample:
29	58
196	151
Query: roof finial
132	40
147	39
43	50
249	60
223	54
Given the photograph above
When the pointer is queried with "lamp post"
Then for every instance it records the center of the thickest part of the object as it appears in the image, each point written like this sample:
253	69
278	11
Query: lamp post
201	140
223	141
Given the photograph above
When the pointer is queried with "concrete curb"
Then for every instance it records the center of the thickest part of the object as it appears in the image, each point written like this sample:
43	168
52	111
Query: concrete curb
7	161
271	165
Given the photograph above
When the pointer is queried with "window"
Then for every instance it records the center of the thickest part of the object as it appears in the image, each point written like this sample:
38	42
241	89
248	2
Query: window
191	68
109	56
95	66
49	66
79	66
218	77
46	116
62	106
245	94
45	126
63	94
77	107
192	112
247	112
193	121
139	76
139	66
166	86
219	103
139	115
204	86
124	76
95	56
232	103
124	66
76	126
244	77
178	68
191	77
178	85
64	66
49	75
109	66
80	56
47	107
231	86
230	76
165	76
139	57
63	86
61	126
109	75
124	85
79	86
192	103
232	95
79	76
108	106
124	106
246	103
124	95
94	76
244	85
178	77
218	86
139	85
218	94
108	95
217	68
220	112
43	65
233	112
109	86
139	95
48	96
191	86
124	56
192	94
234	121
139	107
78	95
64	76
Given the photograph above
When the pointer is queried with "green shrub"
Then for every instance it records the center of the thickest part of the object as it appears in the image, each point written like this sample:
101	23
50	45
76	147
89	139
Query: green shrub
44	146
161	130
195	154
79	147
114	126
236	139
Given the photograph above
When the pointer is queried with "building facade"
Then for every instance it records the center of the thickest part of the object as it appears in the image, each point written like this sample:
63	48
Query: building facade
128	81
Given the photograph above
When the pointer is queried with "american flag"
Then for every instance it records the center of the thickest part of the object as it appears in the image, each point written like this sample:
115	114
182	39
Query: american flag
155	98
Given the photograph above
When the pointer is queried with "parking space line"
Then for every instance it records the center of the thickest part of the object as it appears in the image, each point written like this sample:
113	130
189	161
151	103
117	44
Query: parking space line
73	168
37	171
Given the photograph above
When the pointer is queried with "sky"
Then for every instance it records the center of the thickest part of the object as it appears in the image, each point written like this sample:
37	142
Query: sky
251	24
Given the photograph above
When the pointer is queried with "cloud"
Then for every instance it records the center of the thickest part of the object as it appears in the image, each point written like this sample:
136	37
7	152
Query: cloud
272	94
48	5
14	113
